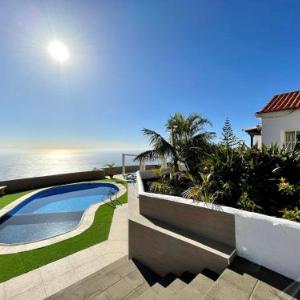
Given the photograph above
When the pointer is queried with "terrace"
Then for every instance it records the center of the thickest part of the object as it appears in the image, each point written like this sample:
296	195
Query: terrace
158	247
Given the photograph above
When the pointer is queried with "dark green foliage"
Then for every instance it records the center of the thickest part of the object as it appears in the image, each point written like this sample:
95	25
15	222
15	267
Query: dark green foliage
188	142
228	137
260	180
263	180
161	188
227	167
255	179
246	203
202	190
291	214
265	170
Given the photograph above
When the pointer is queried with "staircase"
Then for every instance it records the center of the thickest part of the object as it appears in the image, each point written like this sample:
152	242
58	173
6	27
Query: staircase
127	279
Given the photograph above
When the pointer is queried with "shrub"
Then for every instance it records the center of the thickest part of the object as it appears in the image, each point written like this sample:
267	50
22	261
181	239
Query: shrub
110	170
202	191
291	214
285	187
161	188
227	167
246	203
263	180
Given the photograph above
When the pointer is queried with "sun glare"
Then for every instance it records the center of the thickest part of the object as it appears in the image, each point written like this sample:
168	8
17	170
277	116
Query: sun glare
58	51
59	153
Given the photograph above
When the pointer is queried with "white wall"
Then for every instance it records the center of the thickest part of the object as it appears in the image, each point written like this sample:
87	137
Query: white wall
271	242
274	125
257	140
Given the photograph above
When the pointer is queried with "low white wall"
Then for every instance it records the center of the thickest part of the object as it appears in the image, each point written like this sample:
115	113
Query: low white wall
271	242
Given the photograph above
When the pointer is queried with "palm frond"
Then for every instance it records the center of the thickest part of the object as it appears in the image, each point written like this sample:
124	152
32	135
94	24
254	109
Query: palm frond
147	155
159	144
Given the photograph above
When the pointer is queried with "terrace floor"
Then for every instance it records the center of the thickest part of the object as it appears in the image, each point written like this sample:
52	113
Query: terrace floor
49	279
127	279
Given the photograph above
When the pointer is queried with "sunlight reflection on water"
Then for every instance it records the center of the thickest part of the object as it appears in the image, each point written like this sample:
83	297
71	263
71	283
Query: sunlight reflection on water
21	165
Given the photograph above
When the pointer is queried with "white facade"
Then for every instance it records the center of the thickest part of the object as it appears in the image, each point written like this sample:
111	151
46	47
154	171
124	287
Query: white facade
276	124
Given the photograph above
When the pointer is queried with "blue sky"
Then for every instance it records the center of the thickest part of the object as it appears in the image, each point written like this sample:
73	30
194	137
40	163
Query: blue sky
134	63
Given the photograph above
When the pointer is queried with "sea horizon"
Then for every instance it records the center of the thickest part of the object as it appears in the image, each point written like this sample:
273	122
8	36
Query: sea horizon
33	163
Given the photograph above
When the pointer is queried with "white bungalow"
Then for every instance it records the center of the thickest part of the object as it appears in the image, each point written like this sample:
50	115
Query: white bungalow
280	121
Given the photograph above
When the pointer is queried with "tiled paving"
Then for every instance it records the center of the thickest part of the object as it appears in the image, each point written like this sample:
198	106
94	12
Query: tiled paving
125	279
49	279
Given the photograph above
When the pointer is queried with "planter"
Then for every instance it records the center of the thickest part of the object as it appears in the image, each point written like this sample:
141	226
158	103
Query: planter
268	241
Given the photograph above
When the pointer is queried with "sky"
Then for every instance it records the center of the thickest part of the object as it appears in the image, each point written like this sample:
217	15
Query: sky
134	63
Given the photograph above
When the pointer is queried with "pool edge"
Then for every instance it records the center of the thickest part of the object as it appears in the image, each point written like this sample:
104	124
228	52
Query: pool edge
86	222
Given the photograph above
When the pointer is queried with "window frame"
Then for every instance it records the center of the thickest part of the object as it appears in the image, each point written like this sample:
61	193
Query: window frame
291	144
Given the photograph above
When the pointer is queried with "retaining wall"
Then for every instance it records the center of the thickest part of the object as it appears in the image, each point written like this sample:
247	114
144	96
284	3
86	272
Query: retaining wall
268	241
44	181
194	221
168	253
129	169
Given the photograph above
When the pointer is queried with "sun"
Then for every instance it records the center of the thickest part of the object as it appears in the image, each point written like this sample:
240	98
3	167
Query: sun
58	51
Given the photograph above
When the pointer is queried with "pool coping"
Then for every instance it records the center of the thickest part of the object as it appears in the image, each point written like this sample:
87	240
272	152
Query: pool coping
86	221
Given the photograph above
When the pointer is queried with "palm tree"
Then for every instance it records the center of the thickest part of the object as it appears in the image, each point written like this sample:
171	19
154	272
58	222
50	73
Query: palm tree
161	148
187	141
202	191
183	129
110	170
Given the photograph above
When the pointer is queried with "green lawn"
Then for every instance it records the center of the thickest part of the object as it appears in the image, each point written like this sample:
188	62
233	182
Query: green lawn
12	265
5	200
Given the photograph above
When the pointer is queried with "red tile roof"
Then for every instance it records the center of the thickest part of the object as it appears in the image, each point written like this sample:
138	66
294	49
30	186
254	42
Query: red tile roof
281	102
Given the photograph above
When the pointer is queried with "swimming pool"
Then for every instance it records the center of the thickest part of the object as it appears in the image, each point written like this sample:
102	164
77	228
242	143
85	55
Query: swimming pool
51	212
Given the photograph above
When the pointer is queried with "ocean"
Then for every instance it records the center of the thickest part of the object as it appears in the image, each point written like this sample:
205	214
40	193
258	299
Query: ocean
17	164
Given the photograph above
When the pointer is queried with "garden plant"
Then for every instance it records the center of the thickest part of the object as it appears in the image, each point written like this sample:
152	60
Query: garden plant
264	180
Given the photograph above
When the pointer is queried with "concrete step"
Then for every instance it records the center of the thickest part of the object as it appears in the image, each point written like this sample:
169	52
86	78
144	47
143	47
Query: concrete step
187	277
126	285
148	274
149	294
167	280
265	291
201	284
167	288
188	293
166	294
118	279
137	292
172	289
97	282
157	288
232	285
270	284
177	285
125	279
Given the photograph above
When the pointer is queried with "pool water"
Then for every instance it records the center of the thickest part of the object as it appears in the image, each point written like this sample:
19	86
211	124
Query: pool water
51	212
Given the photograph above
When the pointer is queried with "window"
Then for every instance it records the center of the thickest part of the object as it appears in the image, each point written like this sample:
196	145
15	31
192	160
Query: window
291	139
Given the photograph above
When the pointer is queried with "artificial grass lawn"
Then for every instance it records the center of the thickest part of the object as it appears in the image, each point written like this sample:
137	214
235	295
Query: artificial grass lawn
12	265
5	200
